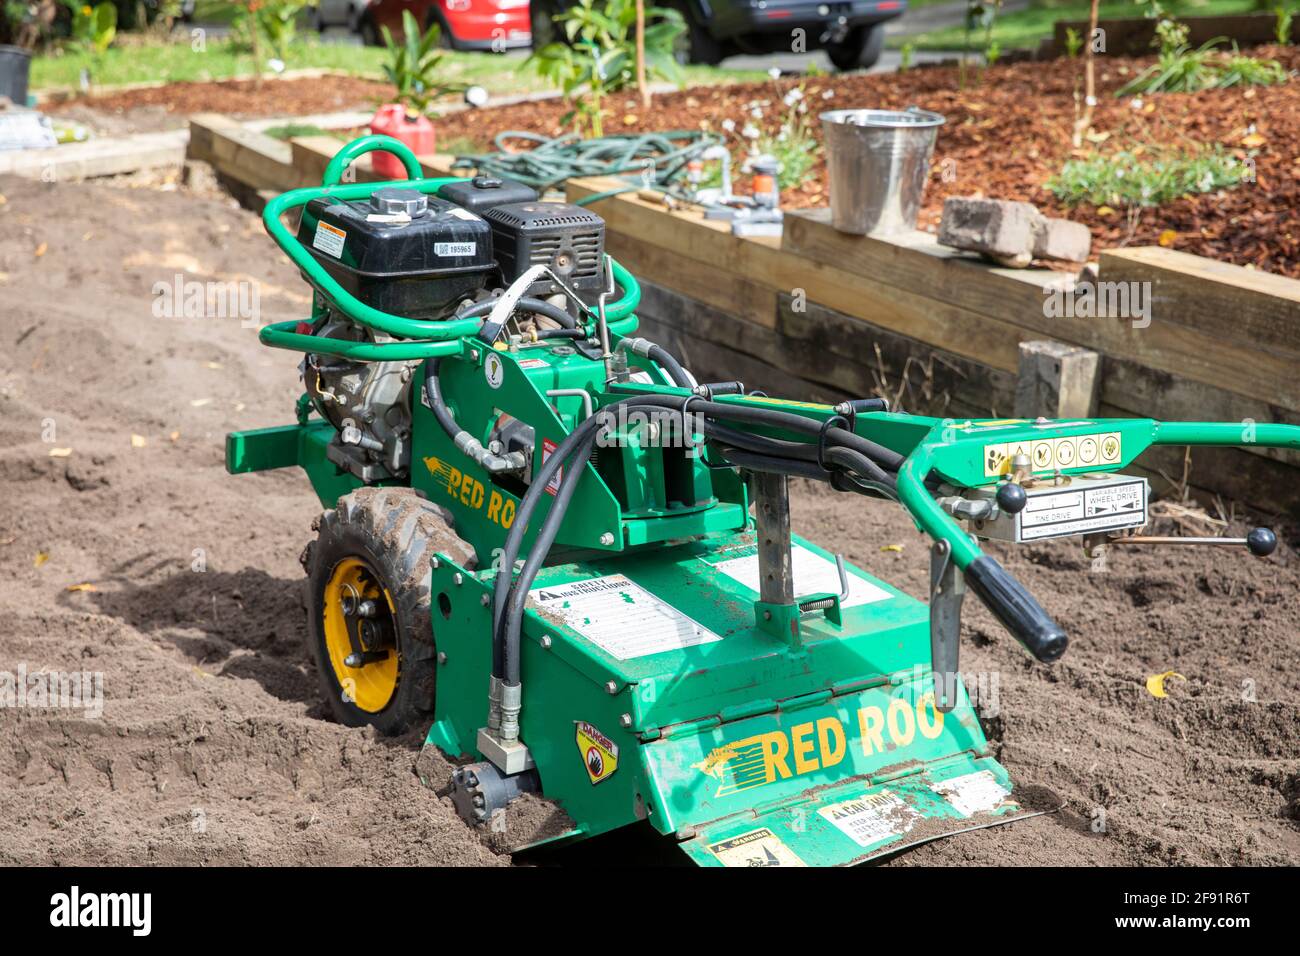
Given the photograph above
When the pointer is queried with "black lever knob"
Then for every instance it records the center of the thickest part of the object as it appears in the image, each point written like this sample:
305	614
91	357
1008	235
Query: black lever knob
1261	542
1011	498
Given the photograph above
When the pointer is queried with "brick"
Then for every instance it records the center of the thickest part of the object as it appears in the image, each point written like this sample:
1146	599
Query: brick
997	228
1062	239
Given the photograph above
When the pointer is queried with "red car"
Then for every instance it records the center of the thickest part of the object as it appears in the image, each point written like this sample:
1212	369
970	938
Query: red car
466	24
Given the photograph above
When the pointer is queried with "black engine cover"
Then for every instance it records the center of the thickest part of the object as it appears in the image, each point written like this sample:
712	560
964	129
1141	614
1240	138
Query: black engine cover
567	238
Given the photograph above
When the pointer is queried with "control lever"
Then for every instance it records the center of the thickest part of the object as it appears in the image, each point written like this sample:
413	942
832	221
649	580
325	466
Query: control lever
1260	542
947	588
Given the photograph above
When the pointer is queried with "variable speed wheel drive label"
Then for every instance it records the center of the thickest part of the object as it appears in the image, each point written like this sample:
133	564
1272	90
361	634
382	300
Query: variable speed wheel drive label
1078	510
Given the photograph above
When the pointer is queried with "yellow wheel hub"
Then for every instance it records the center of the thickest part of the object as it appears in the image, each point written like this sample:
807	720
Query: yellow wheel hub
370	686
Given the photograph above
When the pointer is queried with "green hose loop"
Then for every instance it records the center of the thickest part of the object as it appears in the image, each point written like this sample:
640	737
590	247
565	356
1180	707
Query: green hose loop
369	144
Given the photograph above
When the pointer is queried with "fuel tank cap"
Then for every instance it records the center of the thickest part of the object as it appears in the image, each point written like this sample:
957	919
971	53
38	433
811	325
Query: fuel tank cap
395	201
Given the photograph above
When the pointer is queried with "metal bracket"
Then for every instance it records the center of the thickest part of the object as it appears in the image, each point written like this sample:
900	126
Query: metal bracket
947	588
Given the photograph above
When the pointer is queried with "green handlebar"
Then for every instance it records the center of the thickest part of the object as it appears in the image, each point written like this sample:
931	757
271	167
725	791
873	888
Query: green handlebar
283	335
370	144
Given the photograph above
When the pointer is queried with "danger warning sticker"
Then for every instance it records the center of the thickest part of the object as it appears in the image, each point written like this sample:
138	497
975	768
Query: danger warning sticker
871	818
620	617
756	848
599	753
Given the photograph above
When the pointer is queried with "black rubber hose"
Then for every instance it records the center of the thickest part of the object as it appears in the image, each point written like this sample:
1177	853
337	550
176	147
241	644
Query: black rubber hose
887	458
434	396
537	554
525	304
561	334
514	539
674	368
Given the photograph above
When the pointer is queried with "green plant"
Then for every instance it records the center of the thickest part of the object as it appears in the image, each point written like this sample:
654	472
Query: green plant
1180	69
413	65
906	53
992	52
1138	178
278	22
1073	42
1282	25
600	56
94	27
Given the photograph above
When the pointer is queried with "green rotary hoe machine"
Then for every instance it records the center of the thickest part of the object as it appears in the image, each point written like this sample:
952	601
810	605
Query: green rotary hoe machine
548	542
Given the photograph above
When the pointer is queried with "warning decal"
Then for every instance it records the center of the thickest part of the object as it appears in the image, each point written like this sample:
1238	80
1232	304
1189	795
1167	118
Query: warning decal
1050	454
972	793
620	617
871	818
599	753
548	449
812	574
329	239
755	848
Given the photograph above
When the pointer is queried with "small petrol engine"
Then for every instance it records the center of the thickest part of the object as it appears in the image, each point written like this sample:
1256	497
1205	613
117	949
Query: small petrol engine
433	258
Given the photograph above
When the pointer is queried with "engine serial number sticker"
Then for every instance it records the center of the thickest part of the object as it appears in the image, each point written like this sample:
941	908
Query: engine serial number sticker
329	239
812	574
620	617
1109	507
454	249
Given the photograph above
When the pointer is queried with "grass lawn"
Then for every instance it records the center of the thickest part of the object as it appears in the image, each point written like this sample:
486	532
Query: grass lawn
1025	28
144	62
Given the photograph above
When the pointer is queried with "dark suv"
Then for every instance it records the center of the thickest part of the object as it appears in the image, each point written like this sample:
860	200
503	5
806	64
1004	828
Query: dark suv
850	31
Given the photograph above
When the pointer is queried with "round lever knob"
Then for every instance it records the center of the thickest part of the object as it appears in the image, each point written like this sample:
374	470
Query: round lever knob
1011	498
1261	541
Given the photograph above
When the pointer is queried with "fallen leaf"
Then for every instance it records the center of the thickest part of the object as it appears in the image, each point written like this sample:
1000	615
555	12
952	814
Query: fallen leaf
41	558
138	441
84	586
199	402
630	119
40	250
212	365
1105	211
60	452
1167	238
1253	140
891	547
1156	682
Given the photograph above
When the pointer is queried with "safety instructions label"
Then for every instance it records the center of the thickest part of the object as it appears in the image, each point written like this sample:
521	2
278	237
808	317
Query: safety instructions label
329	239
620	617
871	818
972	793
756	848
1107	507
812	574
1053	454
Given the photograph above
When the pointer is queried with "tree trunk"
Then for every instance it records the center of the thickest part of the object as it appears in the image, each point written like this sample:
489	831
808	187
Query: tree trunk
641	84
1084	122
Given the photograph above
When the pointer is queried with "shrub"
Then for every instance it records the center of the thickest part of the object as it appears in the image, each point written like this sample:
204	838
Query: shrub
1140	179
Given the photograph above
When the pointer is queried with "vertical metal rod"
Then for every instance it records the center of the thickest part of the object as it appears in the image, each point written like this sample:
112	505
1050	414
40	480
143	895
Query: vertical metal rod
772	514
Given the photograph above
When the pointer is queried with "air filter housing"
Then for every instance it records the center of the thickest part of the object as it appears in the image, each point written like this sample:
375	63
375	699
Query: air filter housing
567	238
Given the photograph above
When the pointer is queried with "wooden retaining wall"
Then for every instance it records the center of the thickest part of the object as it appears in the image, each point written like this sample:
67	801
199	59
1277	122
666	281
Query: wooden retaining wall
822	315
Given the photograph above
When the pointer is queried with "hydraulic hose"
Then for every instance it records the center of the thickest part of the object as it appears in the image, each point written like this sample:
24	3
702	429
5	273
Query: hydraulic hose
525	304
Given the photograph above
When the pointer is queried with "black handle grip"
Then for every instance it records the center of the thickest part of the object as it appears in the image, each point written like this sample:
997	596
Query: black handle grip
1016	609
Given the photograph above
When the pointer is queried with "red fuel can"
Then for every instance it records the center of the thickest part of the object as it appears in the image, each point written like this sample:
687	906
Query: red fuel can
412	128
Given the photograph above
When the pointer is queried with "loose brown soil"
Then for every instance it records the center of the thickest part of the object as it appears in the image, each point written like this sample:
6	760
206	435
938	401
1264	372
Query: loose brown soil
213	746
165	107
1009	130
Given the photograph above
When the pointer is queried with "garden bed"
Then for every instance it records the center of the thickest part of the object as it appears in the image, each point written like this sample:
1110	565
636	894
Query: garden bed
1009	130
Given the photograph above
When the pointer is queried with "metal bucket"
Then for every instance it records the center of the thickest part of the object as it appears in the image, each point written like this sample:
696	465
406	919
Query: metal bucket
14	65
878	162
